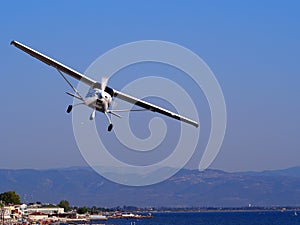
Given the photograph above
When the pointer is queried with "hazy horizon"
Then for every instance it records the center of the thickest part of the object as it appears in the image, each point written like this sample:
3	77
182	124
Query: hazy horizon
118	170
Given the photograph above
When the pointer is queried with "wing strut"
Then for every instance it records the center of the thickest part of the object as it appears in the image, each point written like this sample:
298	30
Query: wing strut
74	89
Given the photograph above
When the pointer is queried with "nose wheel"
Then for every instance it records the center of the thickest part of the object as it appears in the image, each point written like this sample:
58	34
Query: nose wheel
93	114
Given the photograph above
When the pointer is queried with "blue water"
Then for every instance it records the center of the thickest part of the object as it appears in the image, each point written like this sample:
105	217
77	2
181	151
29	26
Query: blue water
213	218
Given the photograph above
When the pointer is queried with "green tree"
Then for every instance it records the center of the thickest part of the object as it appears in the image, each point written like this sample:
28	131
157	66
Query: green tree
82	210
64	204
10	197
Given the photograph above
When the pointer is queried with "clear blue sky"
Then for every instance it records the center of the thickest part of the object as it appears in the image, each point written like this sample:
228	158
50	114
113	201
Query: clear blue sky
252	47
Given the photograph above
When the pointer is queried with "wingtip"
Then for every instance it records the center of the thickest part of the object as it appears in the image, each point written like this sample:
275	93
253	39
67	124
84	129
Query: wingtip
195	124
12	42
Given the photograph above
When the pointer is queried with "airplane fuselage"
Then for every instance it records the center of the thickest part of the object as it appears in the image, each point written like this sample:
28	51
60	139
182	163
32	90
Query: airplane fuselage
98	99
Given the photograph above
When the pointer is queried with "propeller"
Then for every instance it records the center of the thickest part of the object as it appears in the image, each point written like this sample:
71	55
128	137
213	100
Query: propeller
104	82
92	100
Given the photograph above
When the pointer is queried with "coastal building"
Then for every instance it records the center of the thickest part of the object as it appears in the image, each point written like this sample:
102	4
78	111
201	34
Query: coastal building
45	210
37	216
5	212
33	212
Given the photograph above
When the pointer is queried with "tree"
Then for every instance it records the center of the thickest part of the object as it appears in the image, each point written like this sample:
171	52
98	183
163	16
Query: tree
82	210
64	204
10	197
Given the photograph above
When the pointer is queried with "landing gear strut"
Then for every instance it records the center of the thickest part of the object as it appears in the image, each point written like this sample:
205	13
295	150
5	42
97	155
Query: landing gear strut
110	126
93	114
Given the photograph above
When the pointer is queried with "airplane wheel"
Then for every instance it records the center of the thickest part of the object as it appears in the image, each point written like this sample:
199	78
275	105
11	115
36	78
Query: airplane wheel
69	109
110	127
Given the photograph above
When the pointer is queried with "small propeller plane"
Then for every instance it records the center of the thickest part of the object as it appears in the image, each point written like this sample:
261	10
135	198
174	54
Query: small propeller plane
99	96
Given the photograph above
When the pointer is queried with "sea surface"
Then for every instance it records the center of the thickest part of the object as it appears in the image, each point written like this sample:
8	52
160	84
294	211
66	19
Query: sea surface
213	218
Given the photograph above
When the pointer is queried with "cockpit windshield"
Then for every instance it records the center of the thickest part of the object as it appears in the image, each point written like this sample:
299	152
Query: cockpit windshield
92	92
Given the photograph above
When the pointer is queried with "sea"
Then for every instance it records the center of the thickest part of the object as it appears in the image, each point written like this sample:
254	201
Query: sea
214	218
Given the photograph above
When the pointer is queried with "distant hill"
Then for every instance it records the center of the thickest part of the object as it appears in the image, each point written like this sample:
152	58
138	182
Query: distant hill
82	186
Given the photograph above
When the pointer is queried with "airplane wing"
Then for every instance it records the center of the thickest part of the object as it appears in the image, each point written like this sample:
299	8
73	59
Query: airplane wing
153	108
93	83
55	64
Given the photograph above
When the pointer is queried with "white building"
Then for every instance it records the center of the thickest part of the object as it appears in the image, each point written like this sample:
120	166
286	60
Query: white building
6	211
46	210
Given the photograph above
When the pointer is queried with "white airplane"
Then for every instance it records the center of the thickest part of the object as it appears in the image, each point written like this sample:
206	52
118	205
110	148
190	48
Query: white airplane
100	96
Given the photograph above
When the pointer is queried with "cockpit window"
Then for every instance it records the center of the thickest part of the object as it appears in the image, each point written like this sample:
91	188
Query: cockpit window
92	92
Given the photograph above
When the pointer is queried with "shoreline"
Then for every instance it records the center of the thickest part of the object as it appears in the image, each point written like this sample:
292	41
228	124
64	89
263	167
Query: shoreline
224	210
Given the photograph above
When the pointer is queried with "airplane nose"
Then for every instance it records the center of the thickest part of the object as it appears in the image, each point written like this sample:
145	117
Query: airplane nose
99	101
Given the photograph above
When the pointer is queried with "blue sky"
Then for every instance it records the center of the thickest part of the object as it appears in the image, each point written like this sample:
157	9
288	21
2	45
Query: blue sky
252	47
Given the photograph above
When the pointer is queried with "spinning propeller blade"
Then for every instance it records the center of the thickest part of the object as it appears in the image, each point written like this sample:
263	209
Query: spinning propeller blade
104	81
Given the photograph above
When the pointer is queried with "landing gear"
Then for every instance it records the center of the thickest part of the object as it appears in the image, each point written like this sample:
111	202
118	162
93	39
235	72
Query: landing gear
110	127
92	117
69	109
93	114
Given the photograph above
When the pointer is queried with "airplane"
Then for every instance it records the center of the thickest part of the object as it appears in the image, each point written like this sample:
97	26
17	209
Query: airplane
99	96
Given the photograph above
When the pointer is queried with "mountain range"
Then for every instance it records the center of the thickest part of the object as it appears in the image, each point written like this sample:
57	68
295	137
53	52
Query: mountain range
81	186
